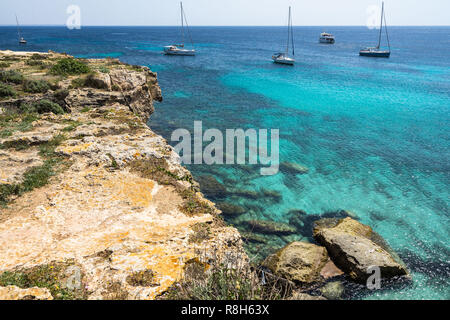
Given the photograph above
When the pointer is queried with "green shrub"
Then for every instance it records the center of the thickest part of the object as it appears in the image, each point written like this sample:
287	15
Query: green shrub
37	56
90	81
42	106
103	69
11	76
4	64
78	83
6	91
10	58
36	63
36	86
69	66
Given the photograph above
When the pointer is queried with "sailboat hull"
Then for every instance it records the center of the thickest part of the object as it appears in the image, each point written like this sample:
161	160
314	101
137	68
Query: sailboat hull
179	52
286	61
375	54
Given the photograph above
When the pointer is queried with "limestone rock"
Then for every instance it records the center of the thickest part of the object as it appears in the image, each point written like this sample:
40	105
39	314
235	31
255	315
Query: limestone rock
127	80
355	248
101	81
16	293
299	262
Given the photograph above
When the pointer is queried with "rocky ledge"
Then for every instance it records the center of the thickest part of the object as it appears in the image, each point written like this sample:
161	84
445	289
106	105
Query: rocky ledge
93	204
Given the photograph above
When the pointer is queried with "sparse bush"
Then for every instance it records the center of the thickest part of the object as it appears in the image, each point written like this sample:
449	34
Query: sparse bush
7	91
36	63
103	69
69	66
11	76
42	106
220	281
53	276
36	86
37	56
4	64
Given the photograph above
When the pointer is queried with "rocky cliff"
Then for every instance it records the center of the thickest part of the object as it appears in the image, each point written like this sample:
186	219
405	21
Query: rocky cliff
93	204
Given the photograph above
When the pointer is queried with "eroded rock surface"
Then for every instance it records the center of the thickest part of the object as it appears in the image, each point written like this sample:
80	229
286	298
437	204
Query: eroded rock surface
355	248
300	262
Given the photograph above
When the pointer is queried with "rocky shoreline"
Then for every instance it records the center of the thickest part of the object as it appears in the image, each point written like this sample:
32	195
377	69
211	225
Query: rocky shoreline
95	205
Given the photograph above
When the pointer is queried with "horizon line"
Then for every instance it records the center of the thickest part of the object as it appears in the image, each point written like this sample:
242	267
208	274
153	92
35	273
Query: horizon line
259	26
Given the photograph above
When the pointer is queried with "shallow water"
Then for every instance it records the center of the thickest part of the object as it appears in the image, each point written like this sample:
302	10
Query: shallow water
374	133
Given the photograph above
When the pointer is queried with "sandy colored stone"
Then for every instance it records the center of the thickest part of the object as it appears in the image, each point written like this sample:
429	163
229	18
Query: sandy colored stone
355	248
16	293
298	261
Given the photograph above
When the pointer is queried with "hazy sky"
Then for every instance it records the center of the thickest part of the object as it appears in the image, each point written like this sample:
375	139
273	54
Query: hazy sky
224	12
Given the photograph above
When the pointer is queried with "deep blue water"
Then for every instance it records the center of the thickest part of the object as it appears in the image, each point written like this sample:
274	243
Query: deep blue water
375	134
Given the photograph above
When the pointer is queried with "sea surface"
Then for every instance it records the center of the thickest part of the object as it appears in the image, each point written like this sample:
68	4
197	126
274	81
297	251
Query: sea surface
374	133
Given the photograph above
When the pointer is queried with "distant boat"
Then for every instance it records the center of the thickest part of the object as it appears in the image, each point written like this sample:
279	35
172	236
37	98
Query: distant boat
283	57
377	52
327	38
21	39
178	49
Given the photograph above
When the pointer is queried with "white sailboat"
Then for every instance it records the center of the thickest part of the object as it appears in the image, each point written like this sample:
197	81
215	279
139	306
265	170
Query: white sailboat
283	57
21	39
377	52
178	49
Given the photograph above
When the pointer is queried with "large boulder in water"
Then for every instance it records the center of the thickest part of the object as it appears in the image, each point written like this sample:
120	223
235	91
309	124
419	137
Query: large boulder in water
356	248
300	262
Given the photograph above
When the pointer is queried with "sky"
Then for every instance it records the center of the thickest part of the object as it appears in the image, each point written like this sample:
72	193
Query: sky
224	12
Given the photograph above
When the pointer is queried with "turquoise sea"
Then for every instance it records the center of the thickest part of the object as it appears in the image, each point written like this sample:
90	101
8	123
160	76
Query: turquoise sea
375	134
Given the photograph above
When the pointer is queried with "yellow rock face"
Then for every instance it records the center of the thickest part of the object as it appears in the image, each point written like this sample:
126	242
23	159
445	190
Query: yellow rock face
16	293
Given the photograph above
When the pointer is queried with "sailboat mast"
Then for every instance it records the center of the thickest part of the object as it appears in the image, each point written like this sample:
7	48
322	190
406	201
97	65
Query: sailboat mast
387	33
381	25
292	36
289	32
18	28
182	23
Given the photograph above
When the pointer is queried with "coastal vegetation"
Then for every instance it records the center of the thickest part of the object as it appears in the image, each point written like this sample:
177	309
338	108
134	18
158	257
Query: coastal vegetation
53	276
69	66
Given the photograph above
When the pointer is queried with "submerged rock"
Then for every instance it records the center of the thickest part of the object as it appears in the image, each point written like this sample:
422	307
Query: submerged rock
270	227
211	187
333	290
299	262
253	237
229	209
293	168
249	194
276	196
298	296
355	248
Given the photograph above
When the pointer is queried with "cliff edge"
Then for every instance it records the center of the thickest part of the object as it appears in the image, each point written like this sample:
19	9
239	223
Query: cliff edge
93	204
